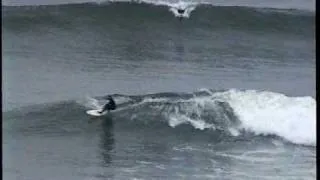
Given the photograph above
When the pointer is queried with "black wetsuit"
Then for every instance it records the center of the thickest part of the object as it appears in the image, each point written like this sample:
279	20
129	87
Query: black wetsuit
111	105
181	11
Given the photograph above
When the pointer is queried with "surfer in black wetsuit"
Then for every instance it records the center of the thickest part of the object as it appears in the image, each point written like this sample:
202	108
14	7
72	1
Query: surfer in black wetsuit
111	105
181	12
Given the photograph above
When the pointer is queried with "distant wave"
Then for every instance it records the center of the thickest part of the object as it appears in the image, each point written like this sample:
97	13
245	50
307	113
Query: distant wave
205	16
231	112
281	4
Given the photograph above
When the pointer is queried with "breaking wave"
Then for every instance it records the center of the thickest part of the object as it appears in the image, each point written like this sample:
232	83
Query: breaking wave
233	112
159	14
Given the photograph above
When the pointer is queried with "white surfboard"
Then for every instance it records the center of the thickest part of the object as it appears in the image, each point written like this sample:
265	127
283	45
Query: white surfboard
95	112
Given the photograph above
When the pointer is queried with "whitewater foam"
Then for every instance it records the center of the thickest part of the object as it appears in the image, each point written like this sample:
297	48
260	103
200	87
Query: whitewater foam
197	112
175	120
92	103
259	112
292	118
188	7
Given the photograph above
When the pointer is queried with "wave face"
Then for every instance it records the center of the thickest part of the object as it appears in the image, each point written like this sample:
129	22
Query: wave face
150	14
231	113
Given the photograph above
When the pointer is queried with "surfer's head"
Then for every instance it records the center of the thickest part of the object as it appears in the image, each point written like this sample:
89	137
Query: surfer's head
109	97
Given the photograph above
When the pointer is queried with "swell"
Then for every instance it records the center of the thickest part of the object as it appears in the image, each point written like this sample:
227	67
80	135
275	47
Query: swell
143	15
225	114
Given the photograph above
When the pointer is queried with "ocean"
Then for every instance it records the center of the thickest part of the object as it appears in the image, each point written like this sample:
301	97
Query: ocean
226	91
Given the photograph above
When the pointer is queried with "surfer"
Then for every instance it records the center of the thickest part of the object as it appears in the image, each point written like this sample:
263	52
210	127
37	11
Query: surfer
111	105
181	12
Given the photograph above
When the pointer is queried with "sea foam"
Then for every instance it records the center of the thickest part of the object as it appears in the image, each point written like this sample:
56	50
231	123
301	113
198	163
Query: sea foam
292	118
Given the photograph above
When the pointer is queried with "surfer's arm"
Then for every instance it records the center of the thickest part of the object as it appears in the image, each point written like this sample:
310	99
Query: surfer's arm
104	108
